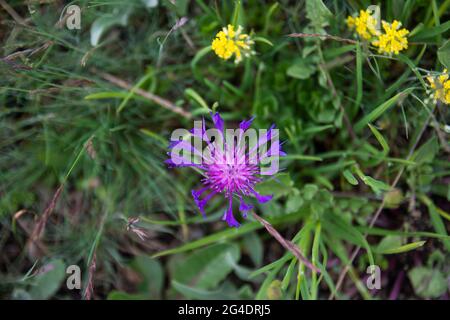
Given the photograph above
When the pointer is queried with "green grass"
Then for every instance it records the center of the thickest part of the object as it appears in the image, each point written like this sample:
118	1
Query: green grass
362	135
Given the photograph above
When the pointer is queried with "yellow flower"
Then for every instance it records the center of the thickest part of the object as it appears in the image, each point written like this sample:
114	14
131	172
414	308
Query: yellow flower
393	40
441	87
364	24
229	42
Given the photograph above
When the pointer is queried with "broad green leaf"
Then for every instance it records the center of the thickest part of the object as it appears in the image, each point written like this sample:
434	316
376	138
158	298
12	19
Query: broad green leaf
317	13
253	246
48	282
193	292
444	54
207	267
279	185
106	21
152	273
427	33
301	70
427	282
426	152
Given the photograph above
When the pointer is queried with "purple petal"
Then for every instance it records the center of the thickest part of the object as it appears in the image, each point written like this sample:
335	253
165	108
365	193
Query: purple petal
261	198
201	203
228	216
244	208
245	124
218	121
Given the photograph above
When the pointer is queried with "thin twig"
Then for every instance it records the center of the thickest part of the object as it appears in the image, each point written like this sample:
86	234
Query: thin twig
378	212
286	243
38	230
150	96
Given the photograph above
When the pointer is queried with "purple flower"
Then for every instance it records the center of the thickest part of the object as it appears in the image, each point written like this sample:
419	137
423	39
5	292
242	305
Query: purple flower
229	166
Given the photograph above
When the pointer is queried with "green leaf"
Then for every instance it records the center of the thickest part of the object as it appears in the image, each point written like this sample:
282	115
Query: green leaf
253	245
46	284
106	95
381	109
380	139
350	177
444	54
393	245
429	33
309	191
338	227
191	93
198	56
207	267
152	273
231	233
376	185
201	294
317	13
263	40
427	282
436	220
106	21
426	152
280	185
121	295
301	70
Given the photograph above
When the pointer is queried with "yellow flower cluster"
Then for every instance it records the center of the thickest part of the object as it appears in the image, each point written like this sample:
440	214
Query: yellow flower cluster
365	24
391	41
229	42
441	87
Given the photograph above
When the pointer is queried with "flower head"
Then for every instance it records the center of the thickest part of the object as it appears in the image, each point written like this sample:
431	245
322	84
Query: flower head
364	24
440	87
229	42
393	40
230	168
